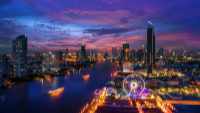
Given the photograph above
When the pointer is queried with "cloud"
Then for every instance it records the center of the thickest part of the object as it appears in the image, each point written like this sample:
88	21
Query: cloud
184	40
95	17
107	31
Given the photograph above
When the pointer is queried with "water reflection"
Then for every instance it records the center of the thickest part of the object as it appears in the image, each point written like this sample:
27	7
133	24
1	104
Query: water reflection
32	97
86	77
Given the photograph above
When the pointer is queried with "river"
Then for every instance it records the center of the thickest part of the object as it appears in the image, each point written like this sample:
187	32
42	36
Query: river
32	97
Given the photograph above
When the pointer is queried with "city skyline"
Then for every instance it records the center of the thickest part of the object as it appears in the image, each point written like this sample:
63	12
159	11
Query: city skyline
53	25
97	61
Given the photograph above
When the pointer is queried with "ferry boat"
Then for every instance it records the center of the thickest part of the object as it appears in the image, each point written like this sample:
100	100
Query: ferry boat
56	92
86	77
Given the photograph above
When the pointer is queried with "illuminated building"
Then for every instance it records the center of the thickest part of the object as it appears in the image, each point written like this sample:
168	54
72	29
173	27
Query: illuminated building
20	50
92	55
50	62
125	54
150	48
127	67
34	64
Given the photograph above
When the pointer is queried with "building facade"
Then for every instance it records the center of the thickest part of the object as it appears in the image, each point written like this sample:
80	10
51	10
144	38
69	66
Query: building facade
150	48
20	50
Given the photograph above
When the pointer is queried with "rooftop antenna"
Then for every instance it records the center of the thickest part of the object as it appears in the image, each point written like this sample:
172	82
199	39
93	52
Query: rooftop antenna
150	24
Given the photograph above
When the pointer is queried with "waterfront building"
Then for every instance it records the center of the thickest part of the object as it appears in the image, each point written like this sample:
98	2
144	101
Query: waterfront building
125	53
20	50
35	64
50	63
83	53
150	48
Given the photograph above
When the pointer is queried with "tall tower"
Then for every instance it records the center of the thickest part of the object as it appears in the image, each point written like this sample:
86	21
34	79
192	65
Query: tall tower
20	51
125	52
150	48
83	54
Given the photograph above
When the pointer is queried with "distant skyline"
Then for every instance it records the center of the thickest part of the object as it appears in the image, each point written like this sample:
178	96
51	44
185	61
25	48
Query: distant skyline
101	24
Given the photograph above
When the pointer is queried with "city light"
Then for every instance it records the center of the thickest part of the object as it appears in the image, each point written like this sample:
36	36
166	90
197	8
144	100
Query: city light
96	102
99	56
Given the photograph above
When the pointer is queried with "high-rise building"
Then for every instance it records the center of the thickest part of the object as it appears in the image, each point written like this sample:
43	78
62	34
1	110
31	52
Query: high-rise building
83	54
20	50
125	55
150	48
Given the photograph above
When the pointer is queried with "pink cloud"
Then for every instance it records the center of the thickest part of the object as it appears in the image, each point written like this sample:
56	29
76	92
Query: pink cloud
95	17
101	43
106	42
178	40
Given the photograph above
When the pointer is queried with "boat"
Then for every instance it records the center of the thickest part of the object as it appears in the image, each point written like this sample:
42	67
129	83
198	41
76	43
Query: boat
86	77
56	92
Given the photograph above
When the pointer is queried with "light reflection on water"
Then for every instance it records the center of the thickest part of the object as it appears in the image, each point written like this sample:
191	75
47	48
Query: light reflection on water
32	97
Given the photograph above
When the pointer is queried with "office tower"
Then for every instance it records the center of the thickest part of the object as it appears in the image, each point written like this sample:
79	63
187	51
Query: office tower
83	54
125	55
150	48
20	50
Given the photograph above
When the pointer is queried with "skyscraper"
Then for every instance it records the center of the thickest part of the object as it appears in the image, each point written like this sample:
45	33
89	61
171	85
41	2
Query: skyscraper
150	48
83	54
20	50
125	55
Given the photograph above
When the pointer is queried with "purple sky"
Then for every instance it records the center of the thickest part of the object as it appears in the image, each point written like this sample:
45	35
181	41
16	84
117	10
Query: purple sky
102	24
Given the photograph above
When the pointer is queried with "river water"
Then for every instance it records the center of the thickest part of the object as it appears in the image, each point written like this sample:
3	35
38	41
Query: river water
32	97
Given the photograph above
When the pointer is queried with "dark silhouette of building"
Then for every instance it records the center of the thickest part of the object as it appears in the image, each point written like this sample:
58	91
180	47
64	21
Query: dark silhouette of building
20	50
114	52
150	48
5	67
83	54
140	53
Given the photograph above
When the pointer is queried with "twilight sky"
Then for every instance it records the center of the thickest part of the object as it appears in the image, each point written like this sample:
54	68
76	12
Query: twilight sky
59	24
